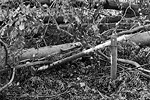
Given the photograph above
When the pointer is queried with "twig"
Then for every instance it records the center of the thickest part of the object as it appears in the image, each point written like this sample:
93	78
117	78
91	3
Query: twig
11	80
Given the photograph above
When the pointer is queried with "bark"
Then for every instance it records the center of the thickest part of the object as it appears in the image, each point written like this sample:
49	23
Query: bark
47	51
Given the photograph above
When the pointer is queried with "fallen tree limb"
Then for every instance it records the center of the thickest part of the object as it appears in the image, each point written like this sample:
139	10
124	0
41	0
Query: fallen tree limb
47	51
145	27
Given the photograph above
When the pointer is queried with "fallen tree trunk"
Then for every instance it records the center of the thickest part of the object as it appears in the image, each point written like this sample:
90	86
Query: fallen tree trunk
47	51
